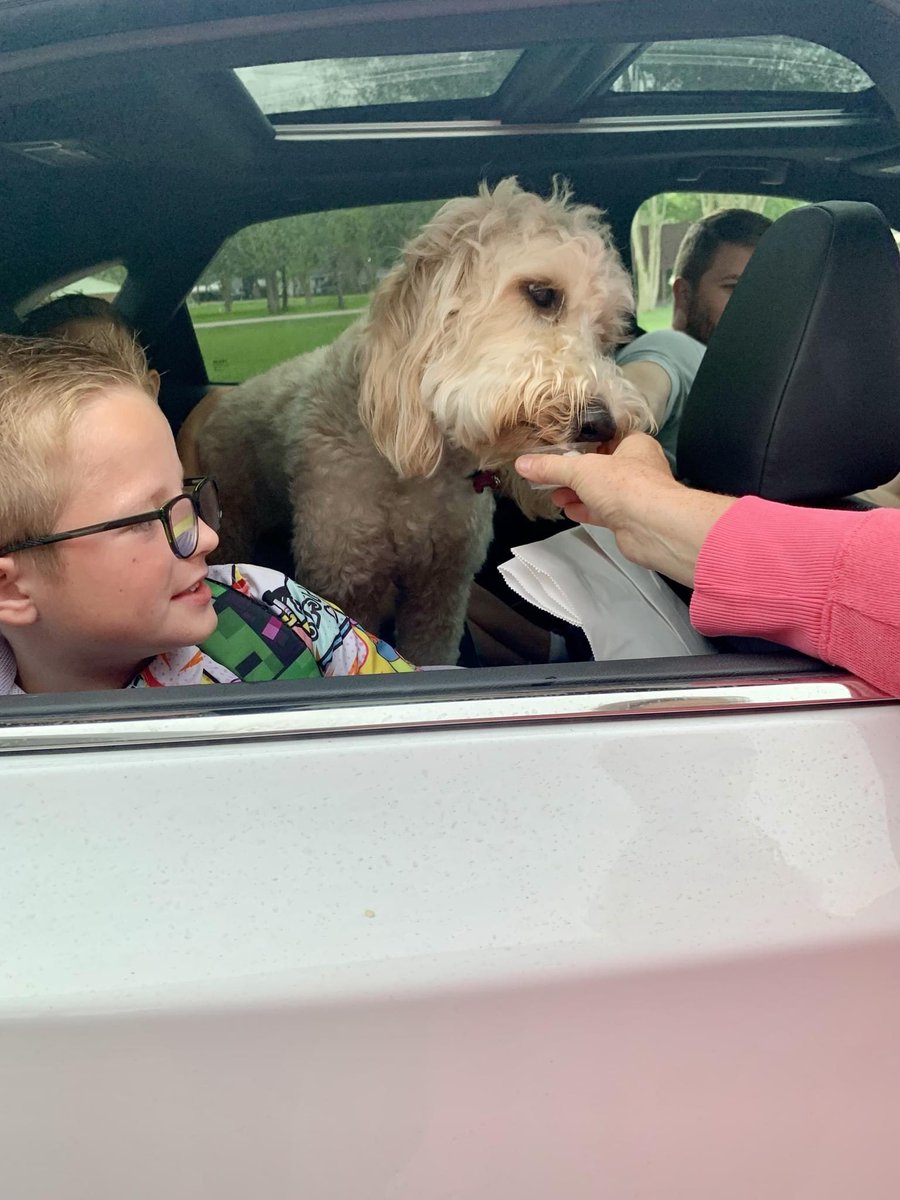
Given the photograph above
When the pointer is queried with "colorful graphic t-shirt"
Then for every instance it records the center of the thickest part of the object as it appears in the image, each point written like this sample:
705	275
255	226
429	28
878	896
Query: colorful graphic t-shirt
269	627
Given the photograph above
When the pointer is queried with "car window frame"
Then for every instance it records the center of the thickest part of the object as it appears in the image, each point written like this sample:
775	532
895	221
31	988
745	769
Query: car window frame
464	701
42	294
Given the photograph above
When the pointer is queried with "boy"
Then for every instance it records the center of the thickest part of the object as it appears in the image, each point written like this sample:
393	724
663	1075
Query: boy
103	576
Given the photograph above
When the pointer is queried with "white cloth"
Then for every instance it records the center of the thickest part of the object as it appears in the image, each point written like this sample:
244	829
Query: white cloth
625	611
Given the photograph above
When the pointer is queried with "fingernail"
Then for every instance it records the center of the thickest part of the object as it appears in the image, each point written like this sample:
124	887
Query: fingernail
526	462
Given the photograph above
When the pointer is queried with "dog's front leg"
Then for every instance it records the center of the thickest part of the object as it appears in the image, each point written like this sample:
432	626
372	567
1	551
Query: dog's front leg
430	620
343	559
434	595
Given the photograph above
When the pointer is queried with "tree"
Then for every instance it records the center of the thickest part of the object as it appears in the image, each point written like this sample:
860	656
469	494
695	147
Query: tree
766	64
229	262
305	252
351	246
646	246
268	247
711	202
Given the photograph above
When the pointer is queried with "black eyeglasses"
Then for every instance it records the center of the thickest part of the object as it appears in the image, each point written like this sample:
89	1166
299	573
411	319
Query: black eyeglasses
180	516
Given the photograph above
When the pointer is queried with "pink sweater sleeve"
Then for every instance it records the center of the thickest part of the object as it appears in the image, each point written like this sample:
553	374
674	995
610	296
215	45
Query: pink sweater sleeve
825	582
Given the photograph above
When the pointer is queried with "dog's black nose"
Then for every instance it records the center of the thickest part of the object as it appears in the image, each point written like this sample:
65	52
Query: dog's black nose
599	426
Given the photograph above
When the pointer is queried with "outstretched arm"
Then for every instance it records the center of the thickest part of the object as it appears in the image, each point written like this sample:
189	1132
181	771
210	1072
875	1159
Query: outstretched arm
825	582
654	384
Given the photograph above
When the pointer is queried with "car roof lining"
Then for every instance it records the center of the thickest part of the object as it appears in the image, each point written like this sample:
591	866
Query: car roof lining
552	81
412	26
172	123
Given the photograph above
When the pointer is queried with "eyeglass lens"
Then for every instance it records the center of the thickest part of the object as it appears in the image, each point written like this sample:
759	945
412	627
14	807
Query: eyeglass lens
208	499
183	524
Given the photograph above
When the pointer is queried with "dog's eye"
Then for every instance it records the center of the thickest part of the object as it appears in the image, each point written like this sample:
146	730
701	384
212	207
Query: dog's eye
544	297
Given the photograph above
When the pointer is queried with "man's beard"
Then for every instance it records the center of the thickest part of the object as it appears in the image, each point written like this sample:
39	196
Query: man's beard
697	322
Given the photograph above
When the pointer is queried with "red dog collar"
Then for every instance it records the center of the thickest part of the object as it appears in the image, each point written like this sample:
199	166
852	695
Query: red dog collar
482	480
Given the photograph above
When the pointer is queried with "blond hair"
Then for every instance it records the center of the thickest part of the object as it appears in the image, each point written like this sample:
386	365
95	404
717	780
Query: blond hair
43	384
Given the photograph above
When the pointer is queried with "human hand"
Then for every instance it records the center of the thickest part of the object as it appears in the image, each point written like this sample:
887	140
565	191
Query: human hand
606	488
657	522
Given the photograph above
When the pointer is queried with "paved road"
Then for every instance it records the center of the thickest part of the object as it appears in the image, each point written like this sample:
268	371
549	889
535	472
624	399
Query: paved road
334	312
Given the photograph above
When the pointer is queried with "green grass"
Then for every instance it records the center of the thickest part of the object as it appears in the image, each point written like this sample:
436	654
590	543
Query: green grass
232	355
215	310
656	318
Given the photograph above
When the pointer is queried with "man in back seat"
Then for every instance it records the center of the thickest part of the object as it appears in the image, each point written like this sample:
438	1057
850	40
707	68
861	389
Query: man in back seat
97	322
710	261
89	319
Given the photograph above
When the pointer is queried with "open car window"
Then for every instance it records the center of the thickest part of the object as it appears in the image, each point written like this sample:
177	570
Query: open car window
104	282
352	133
282	288
656	232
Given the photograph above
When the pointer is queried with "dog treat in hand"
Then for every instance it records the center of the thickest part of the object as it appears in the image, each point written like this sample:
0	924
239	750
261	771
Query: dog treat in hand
566	448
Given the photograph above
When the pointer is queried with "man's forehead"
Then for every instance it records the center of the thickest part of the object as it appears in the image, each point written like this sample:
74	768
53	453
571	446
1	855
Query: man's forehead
729	260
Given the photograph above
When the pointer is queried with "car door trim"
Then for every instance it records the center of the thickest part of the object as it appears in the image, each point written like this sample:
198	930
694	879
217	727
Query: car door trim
112	731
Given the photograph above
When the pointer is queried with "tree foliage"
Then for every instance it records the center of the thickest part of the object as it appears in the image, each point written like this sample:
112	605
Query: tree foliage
349	248
762	64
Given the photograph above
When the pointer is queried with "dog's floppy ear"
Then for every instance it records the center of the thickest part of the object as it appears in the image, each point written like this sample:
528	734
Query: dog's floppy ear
395	352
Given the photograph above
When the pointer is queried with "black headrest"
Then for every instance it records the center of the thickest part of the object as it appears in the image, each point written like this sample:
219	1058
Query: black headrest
798	394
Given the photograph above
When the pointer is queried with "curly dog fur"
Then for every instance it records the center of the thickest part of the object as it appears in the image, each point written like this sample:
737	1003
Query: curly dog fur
491	335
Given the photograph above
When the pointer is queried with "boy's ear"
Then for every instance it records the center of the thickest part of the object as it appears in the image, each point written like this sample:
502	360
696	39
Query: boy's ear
154	381
17	607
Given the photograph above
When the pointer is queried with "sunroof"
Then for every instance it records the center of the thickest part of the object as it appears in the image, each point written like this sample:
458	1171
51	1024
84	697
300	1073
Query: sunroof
392	79
765	64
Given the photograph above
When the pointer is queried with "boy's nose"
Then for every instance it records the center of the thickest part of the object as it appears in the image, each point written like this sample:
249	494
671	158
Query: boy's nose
207	539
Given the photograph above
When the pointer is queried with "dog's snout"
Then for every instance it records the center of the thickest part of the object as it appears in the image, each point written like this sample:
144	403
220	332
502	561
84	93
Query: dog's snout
599	426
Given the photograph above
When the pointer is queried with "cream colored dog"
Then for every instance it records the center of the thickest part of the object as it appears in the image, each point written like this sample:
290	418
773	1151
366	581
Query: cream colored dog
490	336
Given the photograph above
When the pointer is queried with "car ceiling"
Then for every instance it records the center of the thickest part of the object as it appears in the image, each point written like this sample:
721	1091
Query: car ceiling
180	156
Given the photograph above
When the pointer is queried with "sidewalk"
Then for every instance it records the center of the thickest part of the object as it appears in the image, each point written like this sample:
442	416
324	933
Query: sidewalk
332	312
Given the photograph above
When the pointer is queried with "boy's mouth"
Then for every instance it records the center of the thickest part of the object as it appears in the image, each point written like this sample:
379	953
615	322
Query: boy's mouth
197	591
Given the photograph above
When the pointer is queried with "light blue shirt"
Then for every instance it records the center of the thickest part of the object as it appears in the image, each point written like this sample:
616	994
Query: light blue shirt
680	356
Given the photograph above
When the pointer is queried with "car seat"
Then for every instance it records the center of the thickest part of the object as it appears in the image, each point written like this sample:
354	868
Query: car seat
798	395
